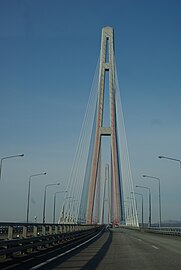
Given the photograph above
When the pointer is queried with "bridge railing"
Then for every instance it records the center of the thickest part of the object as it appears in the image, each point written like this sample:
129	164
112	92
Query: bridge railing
11	231
176	231
21	238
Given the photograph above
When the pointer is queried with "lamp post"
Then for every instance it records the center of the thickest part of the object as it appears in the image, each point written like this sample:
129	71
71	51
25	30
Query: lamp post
44	200
73	210
28	200
131	198
125	203
141	206
149	202
128	212
54	203
1	162
159	195
69	197
174	159
68	215
133	202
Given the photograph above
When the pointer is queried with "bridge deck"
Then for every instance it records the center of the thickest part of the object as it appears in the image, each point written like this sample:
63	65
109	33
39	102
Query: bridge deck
115	249
126	249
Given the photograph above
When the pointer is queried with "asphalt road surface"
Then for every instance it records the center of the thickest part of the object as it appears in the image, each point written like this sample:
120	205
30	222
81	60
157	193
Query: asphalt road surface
115	249
126	250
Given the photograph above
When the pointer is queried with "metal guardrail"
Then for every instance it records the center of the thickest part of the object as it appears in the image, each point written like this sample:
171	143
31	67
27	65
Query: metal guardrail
22	230
25	238
176	231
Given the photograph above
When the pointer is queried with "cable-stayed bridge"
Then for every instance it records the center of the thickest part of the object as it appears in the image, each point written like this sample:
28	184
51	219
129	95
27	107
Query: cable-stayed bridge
100	180
98	224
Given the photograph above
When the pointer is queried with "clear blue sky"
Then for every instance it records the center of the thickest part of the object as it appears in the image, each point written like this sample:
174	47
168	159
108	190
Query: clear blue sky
48	54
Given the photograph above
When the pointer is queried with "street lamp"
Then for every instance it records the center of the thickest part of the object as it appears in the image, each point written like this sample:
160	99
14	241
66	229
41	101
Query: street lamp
69	206
141	205
159	195
54	203
125	204
44	200
131	198
74	211
149	201
21	155
174	159
69	197
28	200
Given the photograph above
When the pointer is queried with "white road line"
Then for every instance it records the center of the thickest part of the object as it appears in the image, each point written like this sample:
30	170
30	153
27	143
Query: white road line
138	239
11	266
66	252
155	247
27	260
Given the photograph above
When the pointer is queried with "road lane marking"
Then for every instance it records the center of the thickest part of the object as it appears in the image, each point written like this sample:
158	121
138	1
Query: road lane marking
29	259
155	247
11	266
139	239
64	253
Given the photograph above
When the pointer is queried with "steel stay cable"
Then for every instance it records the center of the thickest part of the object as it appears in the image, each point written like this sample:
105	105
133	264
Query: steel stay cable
70	182
80	172
83	173
125	162
80	138
126	157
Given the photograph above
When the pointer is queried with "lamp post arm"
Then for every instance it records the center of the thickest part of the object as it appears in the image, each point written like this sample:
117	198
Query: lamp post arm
174	159
21	155
153	177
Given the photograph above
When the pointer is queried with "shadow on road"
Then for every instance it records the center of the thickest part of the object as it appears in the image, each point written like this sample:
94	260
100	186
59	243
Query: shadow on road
89	259
94	262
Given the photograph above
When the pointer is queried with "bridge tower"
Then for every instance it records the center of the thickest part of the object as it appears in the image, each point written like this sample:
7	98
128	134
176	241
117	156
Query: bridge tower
106	65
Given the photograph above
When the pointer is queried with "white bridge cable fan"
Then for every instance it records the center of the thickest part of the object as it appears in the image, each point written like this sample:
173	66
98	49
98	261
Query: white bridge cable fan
128	200
71	207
